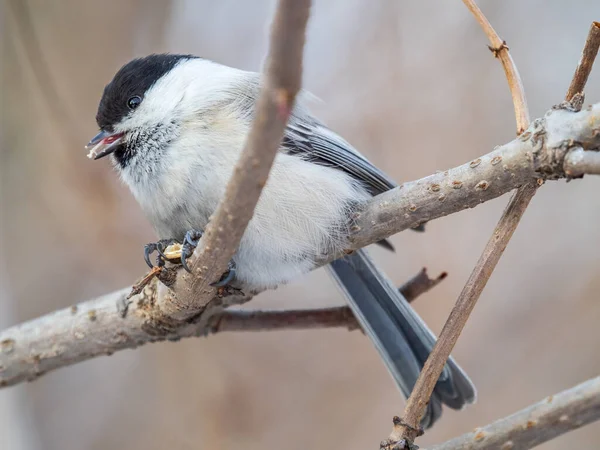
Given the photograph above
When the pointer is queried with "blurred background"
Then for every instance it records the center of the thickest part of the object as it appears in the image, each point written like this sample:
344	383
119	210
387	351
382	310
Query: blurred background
413	86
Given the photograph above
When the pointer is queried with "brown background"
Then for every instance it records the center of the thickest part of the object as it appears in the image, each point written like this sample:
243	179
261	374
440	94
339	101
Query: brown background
413	86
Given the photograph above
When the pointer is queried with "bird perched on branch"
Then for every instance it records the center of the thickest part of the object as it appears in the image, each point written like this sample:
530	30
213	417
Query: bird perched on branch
175	126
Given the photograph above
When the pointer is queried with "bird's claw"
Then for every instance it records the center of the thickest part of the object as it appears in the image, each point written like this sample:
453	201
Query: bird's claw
190	242
227	277
158	247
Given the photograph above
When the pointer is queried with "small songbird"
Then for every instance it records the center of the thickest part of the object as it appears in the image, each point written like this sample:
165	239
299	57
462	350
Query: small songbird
175	126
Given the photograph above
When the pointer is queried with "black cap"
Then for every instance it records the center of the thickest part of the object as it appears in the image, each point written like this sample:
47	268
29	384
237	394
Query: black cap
132	80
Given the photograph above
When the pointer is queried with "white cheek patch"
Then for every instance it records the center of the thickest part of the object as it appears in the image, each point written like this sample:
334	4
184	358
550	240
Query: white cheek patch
190	88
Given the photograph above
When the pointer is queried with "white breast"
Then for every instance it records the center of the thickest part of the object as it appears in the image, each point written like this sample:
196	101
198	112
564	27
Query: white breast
301	214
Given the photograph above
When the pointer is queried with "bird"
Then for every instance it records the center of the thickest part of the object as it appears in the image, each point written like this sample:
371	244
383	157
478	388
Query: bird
175	125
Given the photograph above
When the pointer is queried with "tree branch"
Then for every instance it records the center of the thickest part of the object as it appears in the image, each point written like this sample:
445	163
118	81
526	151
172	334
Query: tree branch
302	319
294	319
536	424
500	50
111	323
580	162
588	56
536	155
281	81
406	430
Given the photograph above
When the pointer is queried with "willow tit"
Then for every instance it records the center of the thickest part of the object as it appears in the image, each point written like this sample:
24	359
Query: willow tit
175	126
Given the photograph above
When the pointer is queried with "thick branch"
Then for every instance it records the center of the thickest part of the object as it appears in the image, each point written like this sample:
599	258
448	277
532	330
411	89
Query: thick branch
281	81
537	154
111	323
536	424
104	325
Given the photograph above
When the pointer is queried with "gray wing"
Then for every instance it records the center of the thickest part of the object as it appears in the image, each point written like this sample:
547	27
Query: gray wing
308	138
311	140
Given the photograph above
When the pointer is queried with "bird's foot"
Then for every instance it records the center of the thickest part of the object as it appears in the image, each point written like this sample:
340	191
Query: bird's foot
190	242
228	276
160	248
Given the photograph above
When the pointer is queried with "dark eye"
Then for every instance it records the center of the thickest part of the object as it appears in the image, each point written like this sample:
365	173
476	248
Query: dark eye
134	102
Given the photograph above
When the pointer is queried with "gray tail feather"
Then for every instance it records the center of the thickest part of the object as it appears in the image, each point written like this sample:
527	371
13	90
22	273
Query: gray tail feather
402	338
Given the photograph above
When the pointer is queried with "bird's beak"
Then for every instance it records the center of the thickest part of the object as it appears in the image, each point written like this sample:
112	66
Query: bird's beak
104	143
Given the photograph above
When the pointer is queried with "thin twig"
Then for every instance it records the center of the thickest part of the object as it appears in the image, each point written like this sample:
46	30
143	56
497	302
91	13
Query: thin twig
500	51
406	430
146	279
295	319
580	405
536	155
584	68
536	424
281	81
419	284
104	325
303	319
